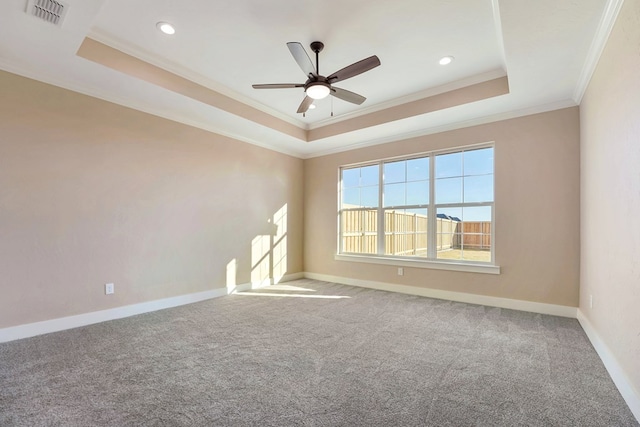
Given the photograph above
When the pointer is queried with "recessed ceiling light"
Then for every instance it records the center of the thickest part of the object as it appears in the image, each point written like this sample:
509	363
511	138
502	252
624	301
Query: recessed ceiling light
166	28
312	107
446	60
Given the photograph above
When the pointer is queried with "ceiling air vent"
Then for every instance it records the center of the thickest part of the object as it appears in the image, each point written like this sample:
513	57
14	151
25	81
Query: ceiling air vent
49	10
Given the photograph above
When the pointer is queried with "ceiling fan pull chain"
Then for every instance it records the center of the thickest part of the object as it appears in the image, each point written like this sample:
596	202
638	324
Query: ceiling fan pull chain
332	106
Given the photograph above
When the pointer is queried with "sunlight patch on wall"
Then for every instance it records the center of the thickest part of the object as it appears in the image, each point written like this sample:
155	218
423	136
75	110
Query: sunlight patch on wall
232	268
260	261
280	247
269	251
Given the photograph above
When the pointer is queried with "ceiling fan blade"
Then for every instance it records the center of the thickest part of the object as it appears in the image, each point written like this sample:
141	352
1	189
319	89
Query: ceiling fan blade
277	86
304	106
301	57
348	96
354	69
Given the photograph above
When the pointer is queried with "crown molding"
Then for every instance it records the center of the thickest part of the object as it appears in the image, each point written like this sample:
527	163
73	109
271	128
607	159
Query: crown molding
129	103
612	9
416	96
497	20
211	84
189	75
543	108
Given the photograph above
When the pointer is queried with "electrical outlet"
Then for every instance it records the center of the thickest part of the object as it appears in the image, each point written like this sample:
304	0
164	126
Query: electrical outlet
109	288
400	271
590	301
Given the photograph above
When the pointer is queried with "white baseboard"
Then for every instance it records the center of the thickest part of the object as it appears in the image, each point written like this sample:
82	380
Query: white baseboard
70	322
62	323
513	304
55	325
620	379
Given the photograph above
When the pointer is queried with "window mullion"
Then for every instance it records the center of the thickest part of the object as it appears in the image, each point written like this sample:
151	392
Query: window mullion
340	212
431	213
380	224
467	205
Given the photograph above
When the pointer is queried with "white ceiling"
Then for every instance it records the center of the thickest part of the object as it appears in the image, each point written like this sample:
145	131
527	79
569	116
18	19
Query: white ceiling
544	47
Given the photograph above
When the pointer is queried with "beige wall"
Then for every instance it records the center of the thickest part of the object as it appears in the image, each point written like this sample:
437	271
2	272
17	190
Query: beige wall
610	190
537	210
91	192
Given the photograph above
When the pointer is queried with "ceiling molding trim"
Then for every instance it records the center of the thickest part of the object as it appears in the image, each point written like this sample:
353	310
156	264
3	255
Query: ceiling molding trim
218	87
497	19
189	75
558	105
442	101
612	9
185	120
127	103
212	129
427	93
110	57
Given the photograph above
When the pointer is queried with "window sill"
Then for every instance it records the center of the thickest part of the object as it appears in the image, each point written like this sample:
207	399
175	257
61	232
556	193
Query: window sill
410	263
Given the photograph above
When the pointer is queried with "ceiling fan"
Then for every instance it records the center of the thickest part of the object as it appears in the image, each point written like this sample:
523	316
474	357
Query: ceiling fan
318	86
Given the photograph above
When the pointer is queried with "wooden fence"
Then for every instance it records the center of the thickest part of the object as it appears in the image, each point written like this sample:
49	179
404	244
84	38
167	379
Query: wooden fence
475	235
359	231
406	233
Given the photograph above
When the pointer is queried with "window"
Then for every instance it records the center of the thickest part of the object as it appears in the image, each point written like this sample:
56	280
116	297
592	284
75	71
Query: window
436	206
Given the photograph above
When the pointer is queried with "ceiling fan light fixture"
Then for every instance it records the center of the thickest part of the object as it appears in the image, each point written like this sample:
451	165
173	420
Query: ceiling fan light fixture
166	28
318	90
446	60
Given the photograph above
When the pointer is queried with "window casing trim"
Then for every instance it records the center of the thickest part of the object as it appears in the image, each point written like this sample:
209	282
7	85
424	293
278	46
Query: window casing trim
431	261
452	265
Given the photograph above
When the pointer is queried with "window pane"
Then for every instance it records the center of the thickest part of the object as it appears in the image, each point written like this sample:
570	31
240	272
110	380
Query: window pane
359	231
478	188
469	239
478	162
476	234
418	169
350	197
350	177
455	213
406	232
449	190
369	175
418	193
394	172
449	165
480	213
394	194
360	187
448	233
369	196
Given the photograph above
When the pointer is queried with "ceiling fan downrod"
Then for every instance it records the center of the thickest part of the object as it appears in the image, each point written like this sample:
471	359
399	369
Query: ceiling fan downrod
317	48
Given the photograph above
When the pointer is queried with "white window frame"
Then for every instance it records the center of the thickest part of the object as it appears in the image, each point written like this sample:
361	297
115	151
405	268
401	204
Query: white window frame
431	260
